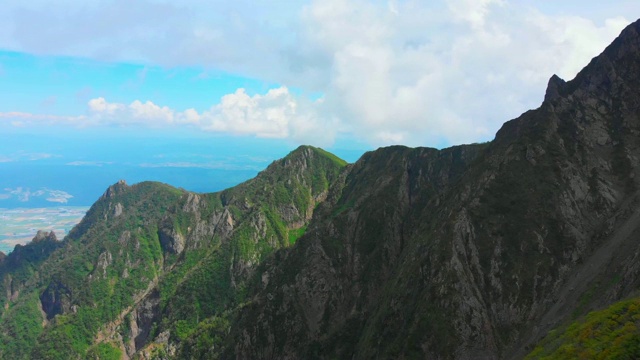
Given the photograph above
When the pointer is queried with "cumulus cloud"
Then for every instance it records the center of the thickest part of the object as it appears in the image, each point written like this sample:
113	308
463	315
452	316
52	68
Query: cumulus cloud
100	105
103	112
276	114
398	71
150	111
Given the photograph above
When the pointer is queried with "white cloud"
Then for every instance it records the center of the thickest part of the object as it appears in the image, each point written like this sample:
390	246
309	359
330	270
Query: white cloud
263	115
151	111
472	12
100	105
276	114
103	112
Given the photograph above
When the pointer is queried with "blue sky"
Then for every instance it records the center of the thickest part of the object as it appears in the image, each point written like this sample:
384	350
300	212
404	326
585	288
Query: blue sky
183	84
62	85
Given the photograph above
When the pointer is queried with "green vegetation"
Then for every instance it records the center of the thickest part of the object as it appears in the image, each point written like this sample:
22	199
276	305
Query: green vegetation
295	234
126	250
104	352
612	333
206	339
21	326
80	281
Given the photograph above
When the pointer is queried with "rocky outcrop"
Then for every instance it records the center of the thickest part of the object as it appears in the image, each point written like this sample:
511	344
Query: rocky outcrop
143	317
171	240
55	300
115	189
44	236
554	88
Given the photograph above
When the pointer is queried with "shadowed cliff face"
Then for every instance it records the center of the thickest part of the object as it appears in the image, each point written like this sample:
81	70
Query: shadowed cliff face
470	252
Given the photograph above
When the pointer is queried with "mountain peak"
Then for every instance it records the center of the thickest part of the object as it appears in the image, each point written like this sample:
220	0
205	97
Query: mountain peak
308	151
554	88
115	189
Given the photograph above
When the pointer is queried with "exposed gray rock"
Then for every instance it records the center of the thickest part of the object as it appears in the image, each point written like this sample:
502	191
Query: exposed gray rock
115	189
171	240
117	211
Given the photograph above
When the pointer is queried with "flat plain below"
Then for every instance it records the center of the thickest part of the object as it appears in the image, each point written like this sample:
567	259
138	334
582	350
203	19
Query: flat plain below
19	226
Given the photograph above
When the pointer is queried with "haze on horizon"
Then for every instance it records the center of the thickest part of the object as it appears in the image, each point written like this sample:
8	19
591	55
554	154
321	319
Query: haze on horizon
161	85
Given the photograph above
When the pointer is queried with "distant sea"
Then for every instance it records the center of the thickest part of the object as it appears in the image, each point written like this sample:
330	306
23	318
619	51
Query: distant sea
48	178
46	196
45	184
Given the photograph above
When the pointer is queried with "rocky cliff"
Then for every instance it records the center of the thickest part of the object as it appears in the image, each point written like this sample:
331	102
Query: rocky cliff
470	252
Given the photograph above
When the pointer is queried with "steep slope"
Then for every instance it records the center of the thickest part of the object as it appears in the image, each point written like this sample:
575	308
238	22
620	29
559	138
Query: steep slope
150	262
470	252
16	270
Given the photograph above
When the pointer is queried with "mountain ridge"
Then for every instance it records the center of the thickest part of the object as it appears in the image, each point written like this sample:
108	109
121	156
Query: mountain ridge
469	252
563	186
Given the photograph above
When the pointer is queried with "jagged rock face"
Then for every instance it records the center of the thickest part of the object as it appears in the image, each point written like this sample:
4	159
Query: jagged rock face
327	284
467	252
143	317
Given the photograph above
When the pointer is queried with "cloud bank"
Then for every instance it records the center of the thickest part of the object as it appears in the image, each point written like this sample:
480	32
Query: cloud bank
412	72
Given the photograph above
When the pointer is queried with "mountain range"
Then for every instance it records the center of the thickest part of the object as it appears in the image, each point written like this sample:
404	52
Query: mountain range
522	247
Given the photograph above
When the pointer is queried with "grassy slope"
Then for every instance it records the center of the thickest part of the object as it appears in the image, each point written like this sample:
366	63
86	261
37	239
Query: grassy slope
611	333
